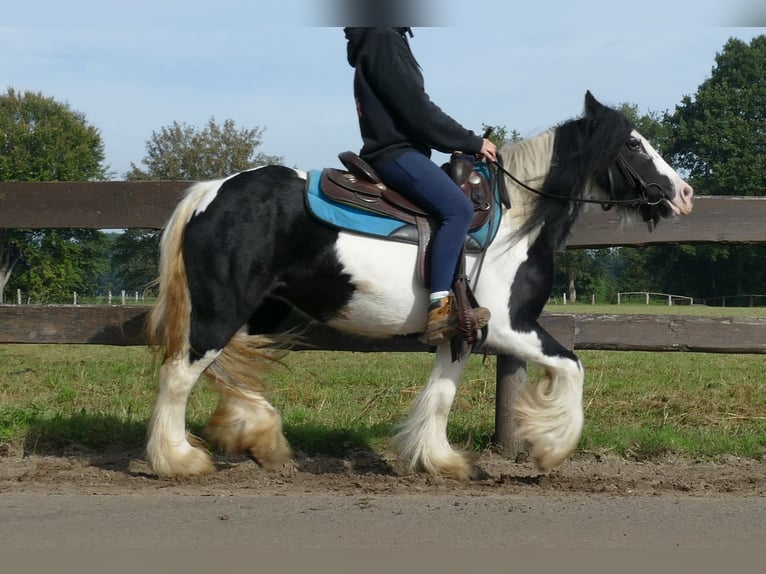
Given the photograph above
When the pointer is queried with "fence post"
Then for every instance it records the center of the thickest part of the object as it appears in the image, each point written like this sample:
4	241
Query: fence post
618	298
511	377
74	297
122	297
647	297
18	296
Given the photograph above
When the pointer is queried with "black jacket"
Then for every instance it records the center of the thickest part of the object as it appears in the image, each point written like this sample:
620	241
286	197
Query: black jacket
395	113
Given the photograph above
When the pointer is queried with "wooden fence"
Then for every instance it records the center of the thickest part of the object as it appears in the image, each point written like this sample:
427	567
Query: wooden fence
116	205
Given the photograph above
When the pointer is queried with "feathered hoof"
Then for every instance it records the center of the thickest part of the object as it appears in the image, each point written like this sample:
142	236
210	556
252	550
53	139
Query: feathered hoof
457	466
271	450
193	461
234	431
547	459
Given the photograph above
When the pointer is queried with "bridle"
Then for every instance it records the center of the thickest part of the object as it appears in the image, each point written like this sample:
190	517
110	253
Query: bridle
646	192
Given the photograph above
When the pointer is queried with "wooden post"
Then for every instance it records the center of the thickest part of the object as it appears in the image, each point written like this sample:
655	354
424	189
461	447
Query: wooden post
511	377
18	296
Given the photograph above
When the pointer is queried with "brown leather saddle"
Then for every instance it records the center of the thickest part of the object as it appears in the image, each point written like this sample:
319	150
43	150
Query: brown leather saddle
362	188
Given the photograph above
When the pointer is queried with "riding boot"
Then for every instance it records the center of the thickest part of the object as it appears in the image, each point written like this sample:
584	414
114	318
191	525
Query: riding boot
443	322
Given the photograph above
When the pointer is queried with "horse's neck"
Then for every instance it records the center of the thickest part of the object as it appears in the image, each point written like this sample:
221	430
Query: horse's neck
529	161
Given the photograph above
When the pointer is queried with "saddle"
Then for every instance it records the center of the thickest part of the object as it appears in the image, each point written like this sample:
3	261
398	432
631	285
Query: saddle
361	188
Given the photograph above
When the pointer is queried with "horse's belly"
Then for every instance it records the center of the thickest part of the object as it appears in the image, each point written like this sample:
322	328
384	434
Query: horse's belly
388	299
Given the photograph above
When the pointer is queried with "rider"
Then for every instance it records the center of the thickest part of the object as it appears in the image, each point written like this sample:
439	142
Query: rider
400	125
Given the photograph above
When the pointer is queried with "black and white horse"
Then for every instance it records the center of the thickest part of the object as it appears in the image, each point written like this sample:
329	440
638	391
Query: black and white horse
235	248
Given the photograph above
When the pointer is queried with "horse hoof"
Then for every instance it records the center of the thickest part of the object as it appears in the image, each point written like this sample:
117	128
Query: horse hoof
194	462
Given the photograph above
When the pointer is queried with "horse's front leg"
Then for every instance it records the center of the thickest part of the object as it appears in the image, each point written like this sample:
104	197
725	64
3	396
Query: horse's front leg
421	440
548	414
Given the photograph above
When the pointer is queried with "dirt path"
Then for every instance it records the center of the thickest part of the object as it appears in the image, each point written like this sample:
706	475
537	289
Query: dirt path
363	502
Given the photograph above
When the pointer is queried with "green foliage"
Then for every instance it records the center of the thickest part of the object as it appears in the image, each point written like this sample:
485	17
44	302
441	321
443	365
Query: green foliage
43	140
60	261
720	134
500	135
181	151
719	137
134	258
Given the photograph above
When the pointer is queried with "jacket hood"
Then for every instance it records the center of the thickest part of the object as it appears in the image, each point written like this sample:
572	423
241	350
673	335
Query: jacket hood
355	37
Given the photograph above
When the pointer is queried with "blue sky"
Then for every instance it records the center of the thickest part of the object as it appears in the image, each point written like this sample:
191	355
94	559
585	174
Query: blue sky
134	67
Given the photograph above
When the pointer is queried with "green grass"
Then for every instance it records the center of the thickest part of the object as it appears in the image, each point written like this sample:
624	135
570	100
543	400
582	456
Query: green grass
60	398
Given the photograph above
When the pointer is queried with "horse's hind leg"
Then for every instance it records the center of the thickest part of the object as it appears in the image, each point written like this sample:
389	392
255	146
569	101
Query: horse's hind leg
244	420
168	449
421	440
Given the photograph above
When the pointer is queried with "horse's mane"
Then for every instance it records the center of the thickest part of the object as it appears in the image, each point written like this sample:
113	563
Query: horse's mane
583	149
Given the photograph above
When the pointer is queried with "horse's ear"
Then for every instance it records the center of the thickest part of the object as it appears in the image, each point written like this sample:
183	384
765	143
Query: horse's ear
592	105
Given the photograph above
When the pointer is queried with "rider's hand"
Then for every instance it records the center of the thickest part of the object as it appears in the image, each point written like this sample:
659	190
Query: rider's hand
488	150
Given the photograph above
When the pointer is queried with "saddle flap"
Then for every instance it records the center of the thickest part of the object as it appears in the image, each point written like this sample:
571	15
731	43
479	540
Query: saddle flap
346	188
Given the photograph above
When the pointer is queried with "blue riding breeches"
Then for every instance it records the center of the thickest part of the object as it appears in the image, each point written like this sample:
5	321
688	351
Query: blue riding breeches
424	183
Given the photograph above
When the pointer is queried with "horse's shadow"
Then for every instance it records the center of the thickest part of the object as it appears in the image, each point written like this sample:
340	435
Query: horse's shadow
113	444
322	450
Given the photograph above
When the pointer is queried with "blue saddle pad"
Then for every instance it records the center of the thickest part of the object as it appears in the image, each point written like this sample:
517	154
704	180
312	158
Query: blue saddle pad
349	218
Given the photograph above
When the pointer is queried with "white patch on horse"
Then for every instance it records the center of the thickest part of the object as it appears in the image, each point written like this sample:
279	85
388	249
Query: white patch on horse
681	201
388	300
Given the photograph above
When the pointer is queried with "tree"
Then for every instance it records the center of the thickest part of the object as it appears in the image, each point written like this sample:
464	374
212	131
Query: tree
44	140
719	138
499	135
180	151
720	134
183	152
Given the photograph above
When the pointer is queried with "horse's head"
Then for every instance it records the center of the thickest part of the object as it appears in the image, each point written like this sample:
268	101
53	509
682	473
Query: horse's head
638	177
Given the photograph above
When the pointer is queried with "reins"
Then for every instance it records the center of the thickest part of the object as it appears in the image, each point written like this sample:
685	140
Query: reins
628	172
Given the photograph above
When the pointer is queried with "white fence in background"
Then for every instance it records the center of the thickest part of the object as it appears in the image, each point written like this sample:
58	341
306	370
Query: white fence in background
647	296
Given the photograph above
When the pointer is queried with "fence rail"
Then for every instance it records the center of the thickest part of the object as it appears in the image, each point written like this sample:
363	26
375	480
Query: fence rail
123	325
123	204
119	204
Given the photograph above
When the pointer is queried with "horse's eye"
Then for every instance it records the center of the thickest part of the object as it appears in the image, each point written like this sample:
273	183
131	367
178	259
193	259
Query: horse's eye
634	144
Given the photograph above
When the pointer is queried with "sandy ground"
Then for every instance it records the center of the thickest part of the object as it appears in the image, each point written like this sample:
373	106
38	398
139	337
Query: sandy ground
362	501
364	472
